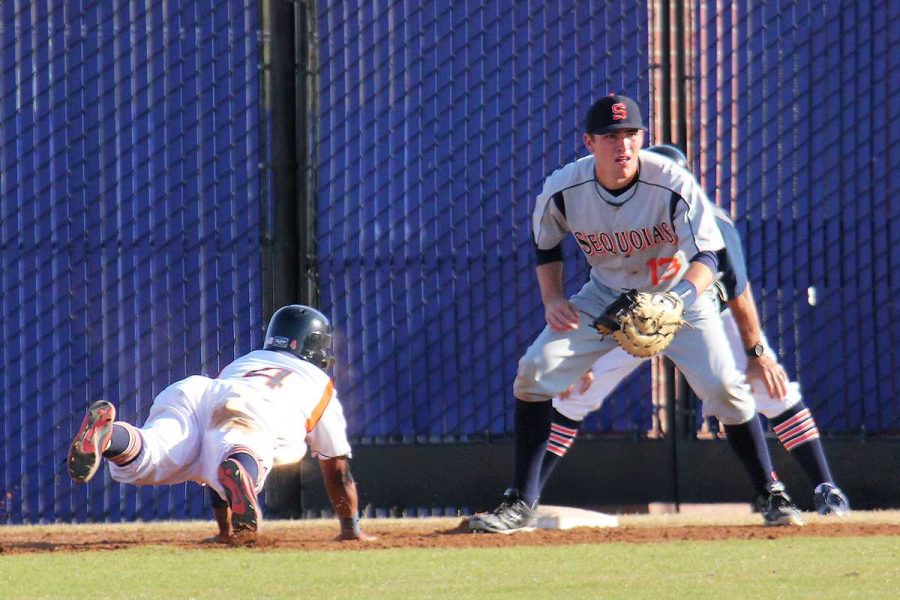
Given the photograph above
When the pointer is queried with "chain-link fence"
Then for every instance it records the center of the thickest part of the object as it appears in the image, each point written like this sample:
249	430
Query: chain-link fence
793	120
131	144
129	174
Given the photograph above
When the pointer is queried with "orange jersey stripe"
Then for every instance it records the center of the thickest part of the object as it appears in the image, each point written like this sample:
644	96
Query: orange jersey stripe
313	419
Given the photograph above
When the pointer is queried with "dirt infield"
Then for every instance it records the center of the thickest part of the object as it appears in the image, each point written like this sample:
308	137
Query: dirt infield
431	533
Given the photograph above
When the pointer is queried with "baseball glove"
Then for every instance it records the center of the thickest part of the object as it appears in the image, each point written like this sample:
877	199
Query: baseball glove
642	323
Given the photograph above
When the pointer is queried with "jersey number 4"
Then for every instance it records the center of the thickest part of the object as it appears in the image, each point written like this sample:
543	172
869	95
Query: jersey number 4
662	269
273	375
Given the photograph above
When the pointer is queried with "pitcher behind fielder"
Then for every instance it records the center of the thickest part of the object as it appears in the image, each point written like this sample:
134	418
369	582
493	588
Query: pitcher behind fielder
261	411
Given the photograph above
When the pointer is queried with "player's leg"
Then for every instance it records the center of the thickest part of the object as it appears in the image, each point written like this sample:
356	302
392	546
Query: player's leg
550	365
702	353
797	431
794	425
101	436
238	474
234	461
165	449
607	373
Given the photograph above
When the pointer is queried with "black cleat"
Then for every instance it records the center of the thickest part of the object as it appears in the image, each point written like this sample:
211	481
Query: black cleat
513	515
776	506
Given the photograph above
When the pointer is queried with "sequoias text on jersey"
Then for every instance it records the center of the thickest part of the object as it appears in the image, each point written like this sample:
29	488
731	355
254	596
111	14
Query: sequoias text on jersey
626	242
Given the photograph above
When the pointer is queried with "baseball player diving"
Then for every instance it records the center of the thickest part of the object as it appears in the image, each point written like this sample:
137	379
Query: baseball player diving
649	234
775	396
263	410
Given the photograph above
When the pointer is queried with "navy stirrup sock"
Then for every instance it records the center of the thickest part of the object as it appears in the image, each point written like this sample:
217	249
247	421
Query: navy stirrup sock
532	422
797	431
125	444
119	440
251	467
749	443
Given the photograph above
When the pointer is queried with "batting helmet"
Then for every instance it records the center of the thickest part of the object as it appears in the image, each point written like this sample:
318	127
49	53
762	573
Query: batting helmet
302	331
672	152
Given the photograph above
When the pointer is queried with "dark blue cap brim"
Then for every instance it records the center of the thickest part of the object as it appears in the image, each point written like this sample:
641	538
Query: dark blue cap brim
616	127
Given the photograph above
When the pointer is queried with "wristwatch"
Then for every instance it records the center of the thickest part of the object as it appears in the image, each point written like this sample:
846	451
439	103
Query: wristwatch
755	351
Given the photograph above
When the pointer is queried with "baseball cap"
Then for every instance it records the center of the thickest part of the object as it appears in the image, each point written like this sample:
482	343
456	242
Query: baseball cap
611	113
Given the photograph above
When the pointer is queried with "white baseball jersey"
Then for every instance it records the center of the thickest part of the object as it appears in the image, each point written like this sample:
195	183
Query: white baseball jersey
643	238
271	403
291	400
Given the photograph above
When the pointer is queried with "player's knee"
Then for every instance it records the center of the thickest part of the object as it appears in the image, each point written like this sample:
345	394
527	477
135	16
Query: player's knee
730	402
525	386
572	410
771	407
528	367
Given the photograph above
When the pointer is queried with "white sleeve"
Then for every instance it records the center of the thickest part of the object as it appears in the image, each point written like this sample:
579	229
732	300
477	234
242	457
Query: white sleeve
695	223
328	438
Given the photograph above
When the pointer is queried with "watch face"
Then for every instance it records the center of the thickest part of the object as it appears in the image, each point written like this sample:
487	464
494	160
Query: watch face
756	350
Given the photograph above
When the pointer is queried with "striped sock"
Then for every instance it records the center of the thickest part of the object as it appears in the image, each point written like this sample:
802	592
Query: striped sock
561	439
125	445
797	431
563	432
796	428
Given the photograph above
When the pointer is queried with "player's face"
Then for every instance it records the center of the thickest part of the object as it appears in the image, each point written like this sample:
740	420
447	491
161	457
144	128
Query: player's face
616	156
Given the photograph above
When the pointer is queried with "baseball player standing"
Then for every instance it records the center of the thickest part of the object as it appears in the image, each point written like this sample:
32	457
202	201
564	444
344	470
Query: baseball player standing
227	433
775	396
643	224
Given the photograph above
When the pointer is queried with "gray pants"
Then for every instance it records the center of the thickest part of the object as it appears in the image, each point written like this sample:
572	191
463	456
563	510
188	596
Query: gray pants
555	360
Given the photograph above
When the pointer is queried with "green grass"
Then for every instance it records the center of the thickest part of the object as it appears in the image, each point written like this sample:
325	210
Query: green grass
787	568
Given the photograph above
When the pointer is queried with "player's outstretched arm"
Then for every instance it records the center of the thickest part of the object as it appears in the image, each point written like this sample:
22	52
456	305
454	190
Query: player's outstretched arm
222	515
763	367
344	498
561	314
700	276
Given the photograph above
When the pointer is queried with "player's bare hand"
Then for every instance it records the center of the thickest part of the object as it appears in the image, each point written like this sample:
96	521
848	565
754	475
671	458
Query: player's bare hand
362	536
561	315
770	372
583	385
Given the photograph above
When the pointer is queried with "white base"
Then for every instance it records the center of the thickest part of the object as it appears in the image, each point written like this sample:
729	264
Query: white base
565	517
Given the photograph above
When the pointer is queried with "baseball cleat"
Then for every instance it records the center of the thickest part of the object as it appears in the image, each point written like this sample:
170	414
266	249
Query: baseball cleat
830	500
87	448
241	496
776	506
512	516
